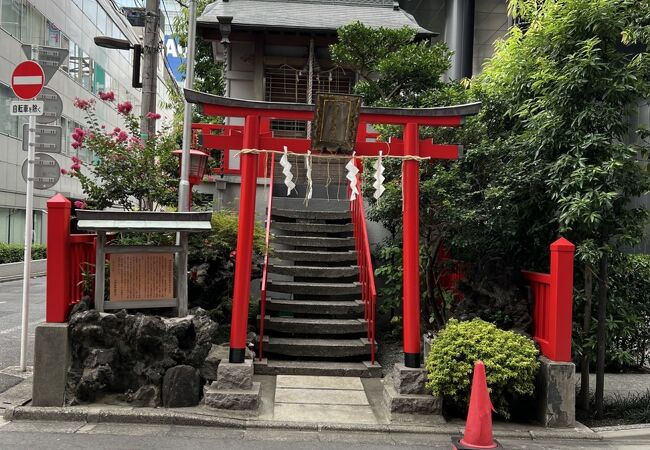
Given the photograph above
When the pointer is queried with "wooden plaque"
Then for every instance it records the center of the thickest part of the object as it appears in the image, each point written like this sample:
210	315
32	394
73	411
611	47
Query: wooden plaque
141	276
335	123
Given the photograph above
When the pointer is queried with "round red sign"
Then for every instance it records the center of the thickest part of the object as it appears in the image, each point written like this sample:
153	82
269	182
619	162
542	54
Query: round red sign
27	80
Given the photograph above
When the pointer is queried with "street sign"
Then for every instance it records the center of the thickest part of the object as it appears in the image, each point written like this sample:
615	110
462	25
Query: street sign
53	106
50	58
46	171
27	80
26	108
48	138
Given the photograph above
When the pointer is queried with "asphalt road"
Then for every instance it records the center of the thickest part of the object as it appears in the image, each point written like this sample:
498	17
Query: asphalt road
11	298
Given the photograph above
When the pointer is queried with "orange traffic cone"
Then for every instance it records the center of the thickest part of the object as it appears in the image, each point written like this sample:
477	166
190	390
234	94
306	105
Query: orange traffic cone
478	429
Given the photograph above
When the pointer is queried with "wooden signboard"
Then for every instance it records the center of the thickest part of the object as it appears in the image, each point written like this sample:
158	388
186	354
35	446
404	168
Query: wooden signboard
335	123
141	276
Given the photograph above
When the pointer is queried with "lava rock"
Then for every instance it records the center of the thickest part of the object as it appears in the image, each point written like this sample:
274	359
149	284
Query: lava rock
181	387
148	396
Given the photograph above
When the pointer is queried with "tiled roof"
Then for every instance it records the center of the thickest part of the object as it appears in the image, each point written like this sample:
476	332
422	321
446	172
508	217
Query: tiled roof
309	14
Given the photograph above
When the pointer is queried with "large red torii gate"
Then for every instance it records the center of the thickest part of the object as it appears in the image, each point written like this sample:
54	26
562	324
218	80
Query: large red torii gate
256	136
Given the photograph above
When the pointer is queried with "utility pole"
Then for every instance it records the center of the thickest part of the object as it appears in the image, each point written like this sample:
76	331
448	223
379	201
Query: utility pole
150	49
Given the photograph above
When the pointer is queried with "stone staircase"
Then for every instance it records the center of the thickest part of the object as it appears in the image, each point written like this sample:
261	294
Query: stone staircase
314	321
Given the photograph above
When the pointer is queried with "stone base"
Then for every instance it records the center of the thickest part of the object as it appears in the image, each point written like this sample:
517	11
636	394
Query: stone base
556	393
396	403
235	376
407	394
51	361
233	399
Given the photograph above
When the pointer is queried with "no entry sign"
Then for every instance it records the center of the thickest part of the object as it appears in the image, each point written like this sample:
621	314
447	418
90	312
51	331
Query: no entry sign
27	80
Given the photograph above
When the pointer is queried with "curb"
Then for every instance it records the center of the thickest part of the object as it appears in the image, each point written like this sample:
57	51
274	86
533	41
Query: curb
155	416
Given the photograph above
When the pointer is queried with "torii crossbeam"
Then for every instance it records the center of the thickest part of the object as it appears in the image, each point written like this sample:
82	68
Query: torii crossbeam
257	136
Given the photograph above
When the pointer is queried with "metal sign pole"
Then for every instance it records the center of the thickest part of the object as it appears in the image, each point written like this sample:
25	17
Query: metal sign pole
29	225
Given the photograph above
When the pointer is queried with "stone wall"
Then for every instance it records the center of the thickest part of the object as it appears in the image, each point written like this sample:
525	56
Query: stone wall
148	360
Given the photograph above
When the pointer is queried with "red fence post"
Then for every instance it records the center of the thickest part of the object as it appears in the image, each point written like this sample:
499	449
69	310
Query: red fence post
561	300
58	243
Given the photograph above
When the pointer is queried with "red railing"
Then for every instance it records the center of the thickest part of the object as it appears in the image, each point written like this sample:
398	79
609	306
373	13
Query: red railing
552	295
203	138
366	272
66	256
265	268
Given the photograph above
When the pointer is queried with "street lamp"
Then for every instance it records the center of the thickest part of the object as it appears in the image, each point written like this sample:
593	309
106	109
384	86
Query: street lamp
198	161
123	44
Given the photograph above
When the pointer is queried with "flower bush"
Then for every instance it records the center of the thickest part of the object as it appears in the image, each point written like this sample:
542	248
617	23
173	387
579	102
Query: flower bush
510	363
126	171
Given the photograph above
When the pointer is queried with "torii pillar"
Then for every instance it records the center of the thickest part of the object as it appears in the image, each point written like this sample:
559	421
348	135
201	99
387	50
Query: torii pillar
253	137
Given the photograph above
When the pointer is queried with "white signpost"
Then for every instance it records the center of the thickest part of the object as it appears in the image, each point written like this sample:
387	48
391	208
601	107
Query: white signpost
27	81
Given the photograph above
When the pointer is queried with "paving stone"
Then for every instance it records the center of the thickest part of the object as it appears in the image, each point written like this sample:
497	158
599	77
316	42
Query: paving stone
320	397
294	412
319	382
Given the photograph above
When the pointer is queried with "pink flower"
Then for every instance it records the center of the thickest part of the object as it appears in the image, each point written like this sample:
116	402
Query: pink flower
152	116
76	144
64	172
107	96
80	205
75	159
75	167
115	132
91	135
124	107
82	104
121	136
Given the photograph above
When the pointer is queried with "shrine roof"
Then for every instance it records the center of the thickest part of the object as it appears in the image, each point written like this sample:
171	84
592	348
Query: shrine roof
309	15
143	221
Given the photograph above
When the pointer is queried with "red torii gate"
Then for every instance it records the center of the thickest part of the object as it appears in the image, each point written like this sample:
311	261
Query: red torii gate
256	136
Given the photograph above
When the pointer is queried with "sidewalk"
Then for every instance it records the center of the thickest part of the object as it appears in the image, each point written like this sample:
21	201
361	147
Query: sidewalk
288	403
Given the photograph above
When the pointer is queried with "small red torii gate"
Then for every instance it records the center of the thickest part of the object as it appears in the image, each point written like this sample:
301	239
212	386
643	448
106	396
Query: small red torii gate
256	136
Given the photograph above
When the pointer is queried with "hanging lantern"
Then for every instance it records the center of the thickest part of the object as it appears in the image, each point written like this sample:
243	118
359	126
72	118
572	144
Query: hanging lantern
198	161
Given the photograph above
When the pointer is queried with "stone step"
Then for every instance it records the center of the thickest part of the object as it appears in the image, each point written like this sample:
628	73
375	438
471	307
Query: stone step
310	214
303	227
319	368
303	287
311	255
301	325
315	241
314	271
322	307
317	348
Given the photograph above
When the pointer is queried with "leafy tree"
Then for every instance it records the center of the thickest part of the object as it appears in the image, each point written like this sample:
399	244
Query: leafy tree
126	171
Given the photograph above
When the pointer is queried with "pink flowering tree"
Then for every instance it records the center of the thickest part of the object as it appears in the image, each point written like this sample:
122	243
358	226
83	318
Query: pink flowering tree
126	171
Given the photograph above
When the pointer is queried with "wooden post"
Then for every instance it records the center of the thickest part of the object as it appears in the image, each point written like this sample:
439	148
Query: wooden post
243	261
411	245
561	300
58	259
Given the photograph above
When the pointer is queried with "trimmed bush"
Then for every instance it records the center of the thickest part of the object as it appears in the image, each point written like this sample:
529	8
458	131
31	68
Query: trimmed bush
510	363
10	253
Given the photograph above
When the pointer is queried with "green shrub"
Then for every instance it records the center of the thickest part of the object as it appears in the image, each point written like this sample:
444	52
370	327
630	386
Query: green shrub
10	253
510	363
628	315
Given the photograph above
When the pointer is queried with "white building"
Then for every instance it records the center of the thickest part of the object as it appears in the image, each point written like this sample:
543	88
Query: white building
89	69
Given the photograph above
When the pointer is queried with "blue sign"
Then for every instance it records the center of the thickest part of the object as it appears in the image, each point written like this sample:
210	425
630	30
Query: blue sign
175	55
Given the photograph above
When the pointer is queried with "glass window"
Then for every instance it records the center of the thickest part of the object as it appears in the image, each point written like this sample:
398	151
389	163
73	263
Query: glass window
10	16
8	123
90	9
87	70
33	26
53	35
79	3
101	20
99	82
73	58
65	43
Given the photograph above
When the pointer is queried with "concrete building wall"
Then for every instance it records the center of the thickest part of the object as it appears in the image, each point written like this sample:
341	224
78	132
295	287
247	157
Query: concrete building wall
88	70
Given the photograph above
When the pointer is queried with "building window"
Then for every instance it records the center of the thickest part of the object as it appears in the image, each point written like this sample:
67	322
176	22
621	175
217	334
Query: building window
8	124
10	16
